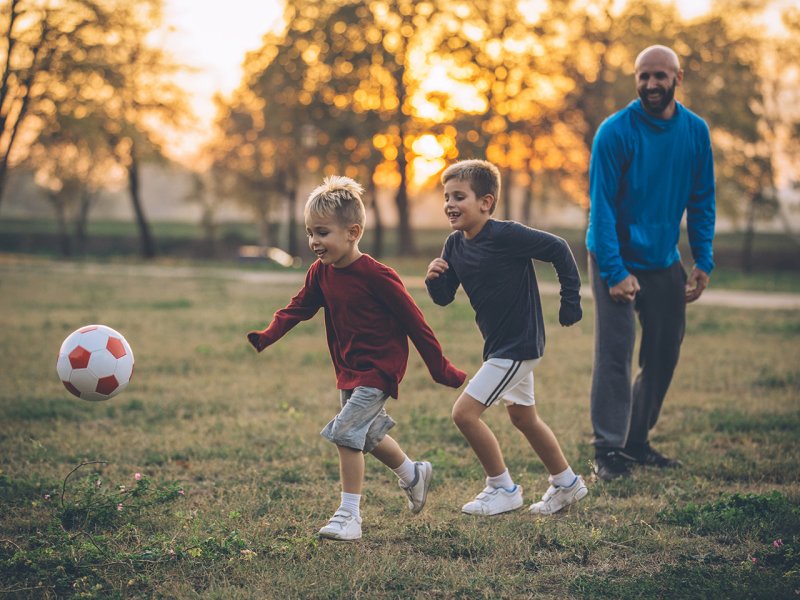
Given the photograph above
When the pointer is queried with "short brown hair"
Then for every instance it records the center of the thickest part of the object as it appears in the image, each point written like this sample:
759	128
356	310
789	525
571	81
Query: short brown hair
483	177
340	197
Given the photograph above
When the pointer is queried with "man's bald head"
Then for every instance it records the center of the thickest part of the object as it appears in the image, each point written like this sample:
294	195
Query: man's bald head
658	73
662	54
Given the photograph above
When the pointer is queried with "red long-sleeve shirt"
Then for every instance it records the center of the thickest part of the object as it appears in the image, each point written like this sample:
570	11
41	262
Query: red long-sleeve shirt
368	317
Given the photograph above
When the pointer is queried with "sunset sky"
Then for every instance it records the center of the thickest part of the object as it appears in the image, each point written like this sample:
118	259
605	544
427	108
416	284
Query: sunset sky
213	38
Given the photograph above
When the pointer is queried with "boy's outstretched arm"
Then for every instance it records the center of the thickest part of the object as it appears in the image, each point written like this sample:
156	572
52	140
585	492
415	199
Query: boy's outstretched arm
399	301
302	307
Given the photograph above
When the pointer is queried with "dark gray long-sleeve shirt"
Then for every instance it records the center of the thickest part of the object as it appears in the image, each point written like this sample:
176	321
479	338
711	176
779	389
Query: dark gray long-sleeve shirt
497	274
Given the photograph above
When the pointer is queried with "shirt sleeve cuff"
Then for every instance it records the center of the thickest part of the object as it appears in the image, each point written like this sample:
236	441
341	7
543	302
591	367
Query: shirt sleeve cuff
705	265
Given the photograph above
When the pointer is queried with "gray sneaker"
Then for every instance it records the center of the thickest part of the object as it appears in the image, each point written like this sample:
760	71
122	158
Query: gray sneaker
417	491
342	526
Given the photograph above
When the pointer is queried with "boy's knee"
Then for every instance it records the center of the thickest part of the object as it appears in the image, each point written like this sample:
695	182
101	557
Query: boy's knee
457	415
519	421
522	420
462	417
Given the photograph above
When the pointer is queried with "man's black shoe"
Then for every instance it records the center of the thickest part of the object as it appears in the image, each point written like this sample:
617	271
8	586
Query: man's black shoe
612	463
645	454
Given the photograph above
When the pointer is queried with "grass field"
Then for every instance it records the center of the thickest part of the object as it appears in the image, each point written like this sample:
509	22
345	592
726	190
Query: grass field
235	479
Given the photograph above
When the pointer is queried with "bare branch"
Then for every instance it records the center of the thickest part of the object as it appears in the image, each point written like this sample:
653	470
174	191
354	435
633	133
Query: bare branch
83	464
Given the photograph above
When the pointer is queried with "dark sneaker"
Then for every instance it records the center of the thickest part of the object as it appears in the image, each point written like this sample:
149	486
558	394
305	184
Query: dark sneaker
645	454
612	464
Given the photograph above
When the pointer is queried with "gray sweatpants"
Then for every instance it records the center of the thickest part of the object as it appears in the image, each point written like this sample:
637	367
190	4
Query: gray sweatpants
623	415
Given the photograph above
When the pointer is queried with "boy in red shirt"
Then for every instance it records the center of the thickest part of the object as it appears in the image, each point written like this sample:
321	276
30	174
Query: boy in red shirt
368	317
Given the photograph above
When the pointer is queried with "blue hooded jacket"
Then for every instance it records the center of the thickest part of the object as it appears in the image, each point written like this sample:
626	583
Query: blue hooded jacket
644	174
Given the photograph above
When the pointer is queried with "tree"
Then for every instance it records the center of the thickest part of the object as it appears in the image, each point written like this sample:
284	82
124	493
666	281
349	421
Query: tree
42	44
72	162
740	77
260	137
341	71
506	100
775	106
87	63
144	97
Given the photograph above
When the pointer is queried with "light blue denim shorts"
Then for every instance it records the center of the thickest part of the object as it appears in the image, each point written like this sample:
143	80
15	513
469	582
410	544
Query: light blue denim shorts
362	422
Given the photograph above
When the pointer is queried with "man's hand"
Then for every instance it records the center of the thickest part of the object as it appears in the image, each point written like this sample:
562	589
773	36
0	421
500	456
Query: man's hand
697	282
436	268
625	290
254	337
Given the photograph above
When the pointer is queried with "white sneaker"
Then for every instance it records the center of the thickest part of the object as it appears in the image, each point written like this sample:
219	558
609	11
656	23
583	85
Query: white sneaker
342	526
493	501
417	492
556	498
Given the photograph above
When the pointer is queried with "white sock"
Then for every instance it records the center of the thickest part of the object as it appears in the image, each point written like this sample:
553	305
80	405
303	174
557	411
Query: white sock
501	481
564	479
351	503
406	471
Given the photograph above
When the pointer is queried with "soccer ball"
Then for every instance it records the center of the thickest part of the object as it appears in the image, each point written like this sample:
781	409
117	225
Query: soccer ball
95	362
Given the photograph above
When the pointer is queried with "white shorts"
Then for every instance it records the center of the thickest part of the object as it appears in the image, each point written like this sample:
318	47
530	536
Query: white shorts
511	380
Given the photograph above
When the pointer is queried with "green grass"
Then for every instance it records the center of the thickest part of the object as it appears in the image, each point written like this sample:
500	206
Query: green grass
236	479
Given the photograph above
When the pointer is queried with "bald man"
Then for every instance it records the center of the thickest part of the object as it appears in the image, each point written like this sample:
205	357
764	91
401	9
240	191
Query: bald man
651	164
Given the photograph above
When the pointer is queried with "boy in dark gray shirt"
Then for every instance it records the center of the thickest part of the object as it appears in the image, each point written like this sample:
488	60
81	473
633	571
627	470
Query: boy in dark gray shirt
492	261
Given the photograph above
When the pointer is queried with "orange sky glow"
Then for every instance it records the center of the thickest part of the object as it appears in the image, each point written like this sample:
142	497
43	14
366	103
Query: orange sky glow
213	43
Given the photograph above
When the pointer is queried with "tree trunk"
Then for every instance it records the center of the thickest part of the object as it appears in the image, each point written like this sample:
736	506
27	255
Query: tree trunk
291	221
264	229
505	191
377	240
405	235
59	205
82	219
527	200
749	236
209	225
148	248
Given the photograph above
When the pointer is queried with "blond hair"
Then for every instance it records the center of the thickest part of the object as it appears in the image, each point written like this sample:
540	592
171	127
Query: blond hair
483	177
339	197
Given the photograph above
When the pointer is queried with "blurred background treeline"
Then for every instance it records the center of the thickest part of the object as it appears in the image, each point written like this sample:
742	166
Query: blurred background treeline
388	92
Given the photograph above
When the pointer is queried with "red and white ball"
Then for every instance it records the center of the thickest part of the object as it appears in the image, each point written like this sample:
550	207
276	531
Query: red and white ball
95	362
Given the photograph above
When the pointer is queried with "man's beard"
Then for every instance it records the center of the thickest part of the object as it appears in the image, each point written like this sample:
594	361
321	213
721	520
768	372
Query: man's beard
660	104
